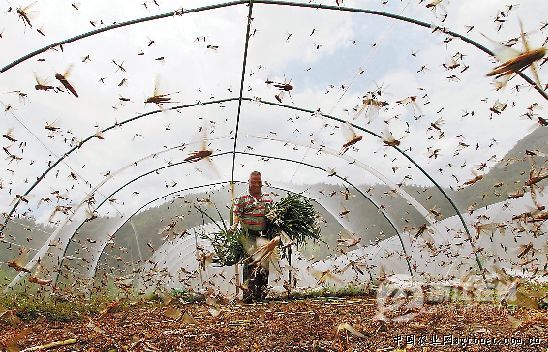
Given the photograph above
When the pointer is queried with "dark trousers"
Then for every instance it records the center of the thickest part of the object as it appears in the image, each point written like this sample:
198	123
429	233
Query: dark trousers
255	277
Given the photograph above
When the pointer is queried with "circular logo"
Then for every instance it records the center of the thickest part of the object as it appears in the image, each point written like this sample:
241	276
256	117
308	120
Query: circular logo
399	299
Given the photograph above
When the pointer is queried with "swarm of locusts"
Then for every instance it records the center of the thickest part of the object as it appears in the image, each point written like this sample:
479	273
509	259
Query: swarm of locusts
382	129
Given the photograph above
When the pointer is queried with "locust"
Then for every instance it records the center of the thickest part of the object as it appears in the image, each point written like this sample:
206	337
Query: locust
17	263
520	61
64	81
41	85
350	136
24	15
157	97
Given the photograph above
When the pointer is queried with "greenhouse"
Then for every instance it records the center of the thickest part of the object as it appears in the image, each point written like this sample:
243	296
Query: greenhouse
402	144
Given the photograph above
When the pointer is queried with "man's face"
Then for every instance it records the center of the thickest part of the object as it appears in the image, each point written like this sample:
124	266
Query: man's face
255	185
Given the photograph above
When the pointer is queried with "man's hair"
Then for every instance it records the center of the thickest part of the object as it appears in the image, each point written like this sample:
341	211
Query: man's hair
254	174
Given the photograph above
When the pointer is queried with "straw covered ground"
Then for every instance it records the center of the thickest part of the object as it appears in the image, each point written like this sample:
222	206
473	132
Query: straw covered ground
312	324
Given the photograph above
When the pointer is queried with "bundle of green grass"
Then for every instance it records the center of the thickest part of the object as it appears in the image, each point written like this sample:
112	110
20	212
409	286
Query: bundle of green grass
295	216
226	242
227	246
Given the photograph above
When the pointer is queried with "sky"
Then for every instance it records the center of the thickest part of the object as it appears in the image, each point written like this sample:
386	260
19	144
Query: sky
332	60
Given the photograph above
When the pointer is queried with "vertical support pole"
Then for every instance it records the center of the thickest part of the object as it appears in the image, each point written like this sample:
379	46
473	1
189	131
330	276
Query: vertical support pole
236	266
290	286
199	264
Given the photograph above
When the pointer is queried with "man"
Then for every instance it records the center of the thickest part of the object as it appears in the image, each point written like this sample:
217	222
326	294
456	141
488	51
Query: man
249	212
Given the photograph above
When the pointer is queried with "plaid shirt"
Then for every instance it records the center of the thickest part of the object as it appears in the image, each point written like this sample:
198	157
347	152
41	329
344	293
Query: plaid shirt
251	211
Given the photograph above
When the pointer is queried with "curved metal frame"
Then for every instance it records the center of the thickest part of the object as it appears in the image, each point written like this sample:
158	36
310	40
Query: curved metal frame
113	193
144	205
175	192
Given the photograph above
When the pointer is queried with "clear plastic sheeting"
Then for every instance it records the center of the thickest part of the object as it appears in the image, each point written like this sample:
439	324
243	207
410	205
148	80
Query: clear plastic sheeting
176	264
122	125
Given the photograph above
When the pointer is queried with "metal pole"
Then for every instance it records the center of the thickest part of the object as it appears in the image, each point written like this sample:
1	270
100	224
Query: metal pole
196	239
290	286
242	79
236	266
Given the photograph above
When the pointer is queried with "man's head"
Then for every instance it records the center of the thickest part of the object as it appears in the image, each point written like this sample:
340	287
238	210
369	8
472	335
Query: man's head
255	183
